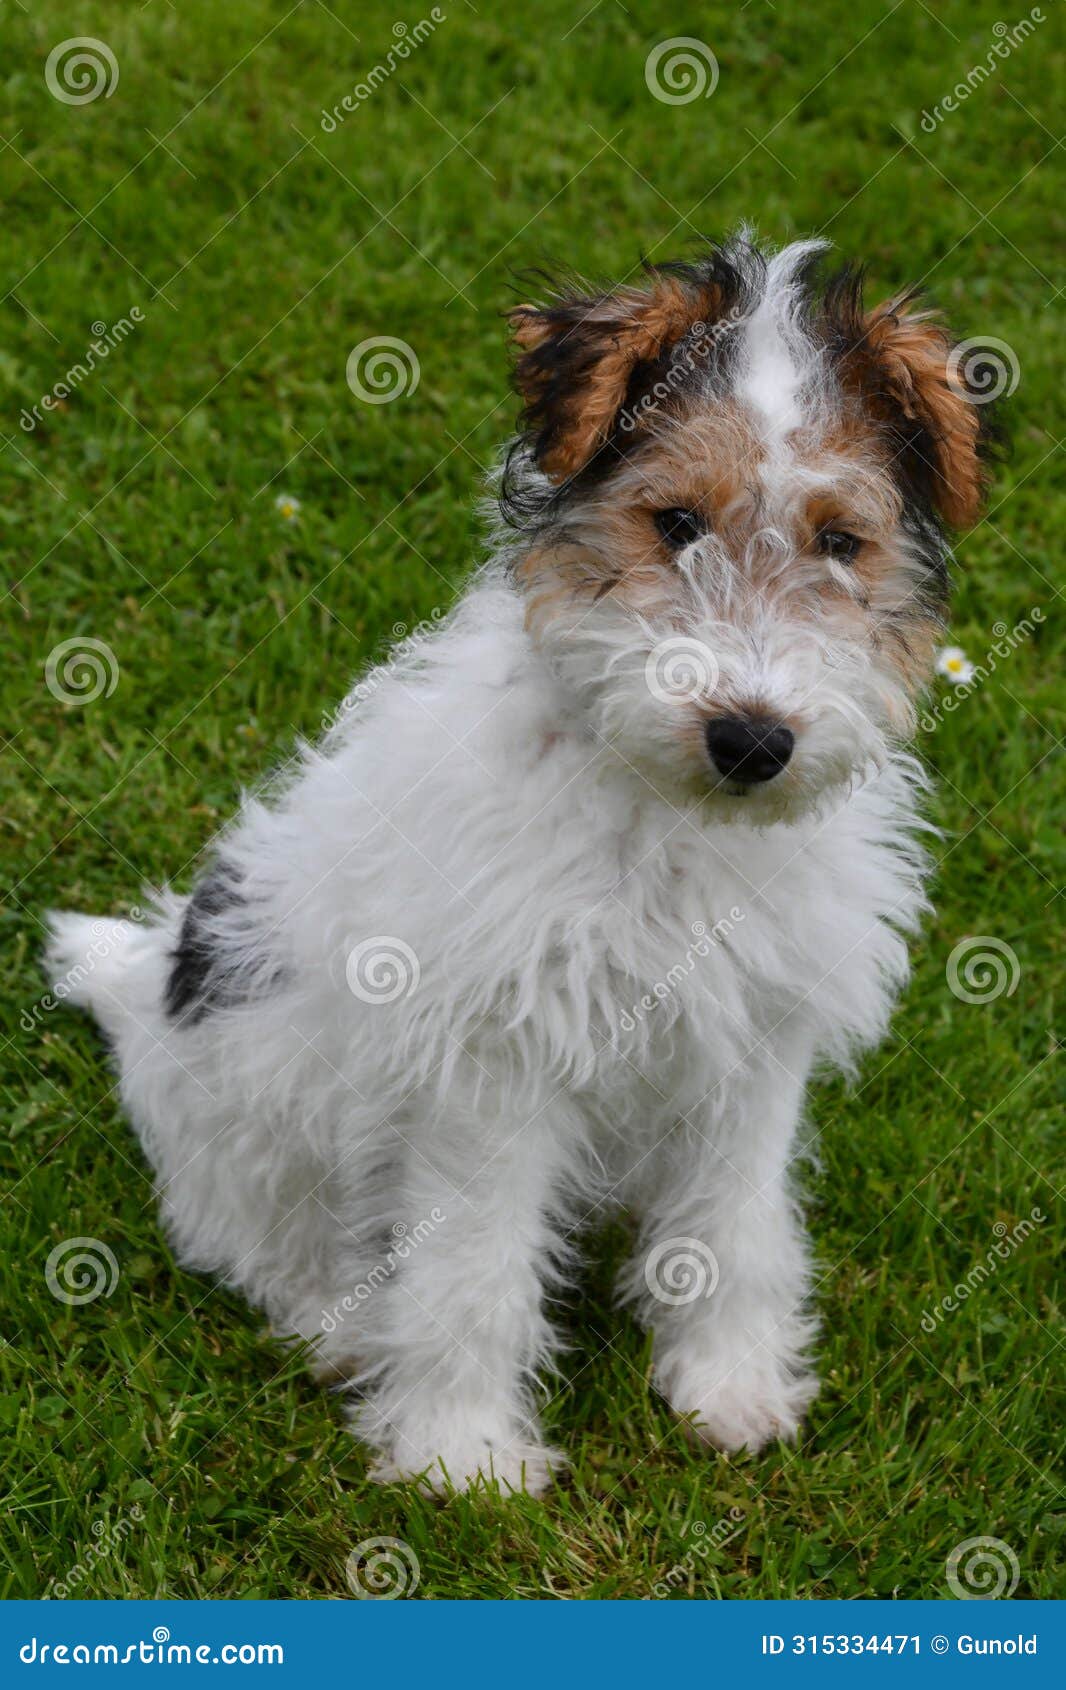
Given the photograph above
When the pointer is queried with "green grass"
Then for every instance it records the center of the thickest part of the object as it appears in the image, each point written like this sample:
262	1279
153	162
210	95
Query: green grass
260	250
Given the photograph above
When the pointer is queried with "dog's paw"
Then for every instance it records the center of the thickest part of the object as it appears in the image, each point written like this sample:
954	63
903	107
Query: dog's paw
521	1468
443	1459
746	1407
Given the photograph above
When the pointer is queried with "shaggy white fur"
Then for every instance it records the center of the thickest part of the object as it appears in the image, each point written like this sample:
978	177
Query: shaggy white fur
502	954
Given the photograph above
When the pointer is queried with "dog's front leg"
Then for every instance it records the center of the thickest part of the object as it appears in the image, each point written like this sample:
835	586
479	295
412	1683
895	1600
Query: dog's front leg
454	1338
722	1270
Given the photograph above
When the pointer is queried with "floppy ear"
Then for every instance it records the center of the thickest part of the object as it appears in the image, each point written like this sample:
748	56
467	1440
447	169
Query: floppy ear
917	378
578	354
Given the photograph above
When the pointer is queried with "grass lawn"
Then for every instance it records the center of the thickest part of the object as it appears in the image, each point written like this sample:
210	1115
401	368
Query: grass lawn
152	1439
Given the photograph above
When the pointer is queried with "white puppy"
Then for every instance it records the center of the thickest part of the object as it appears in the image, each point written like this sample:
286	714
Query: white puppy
572	898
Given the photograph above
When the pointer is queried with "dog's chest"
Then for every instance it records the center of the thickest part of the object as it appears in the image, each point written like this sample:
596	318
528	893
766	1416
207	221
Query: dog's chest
709	945
701	955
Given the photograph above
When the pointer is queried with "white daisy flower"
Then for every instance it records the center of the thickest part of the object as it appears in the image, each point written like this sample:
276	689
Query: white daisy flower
953	662
287	507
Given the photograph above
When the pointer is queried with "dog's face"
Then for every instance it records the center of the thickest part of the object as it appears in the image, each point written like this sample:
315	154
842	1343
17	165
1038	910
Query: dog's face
735	488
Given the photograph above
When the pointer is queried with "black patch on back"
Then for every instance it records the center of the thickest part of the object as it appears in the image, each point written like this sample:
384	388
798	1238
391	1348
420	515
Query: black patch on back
198	979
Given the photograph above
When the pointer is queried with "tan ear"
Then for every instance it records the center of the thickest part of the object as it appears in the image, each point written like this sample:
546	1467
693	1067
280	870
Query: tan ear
577	356
912	352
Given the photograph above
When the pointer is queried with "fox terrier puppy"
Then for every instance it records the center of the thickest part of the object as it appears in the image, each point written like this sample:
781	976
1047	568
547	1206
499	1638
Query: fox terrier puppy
581	883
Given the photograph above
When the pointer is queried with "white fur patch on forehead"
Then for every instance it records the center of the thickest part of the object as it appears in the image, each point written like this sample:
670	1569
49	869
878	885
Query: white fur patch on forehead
777	360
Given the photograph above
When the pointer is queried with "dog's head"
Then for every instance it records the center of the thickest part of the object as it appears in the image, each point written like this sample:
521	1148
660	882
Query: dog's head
733	485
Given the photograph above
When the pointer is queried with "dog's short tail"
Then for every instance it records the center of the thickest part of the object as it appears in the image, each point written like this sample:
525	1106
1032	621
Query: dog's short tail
112	968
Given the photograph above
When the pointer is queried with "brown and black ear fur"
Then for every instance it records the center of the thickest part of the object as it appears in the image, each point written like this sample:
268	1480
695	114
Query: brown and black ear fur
580	354
576	357
898	360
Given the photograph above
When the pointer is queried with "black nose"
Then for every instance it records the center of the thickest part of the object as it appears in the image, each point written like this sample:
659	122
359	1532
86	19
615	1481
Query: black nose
748	751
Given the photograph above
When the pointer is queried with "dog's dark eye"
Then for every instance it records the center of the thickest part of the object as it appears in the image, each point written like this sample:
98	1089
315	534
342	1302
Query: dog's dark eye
834	542
678	527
